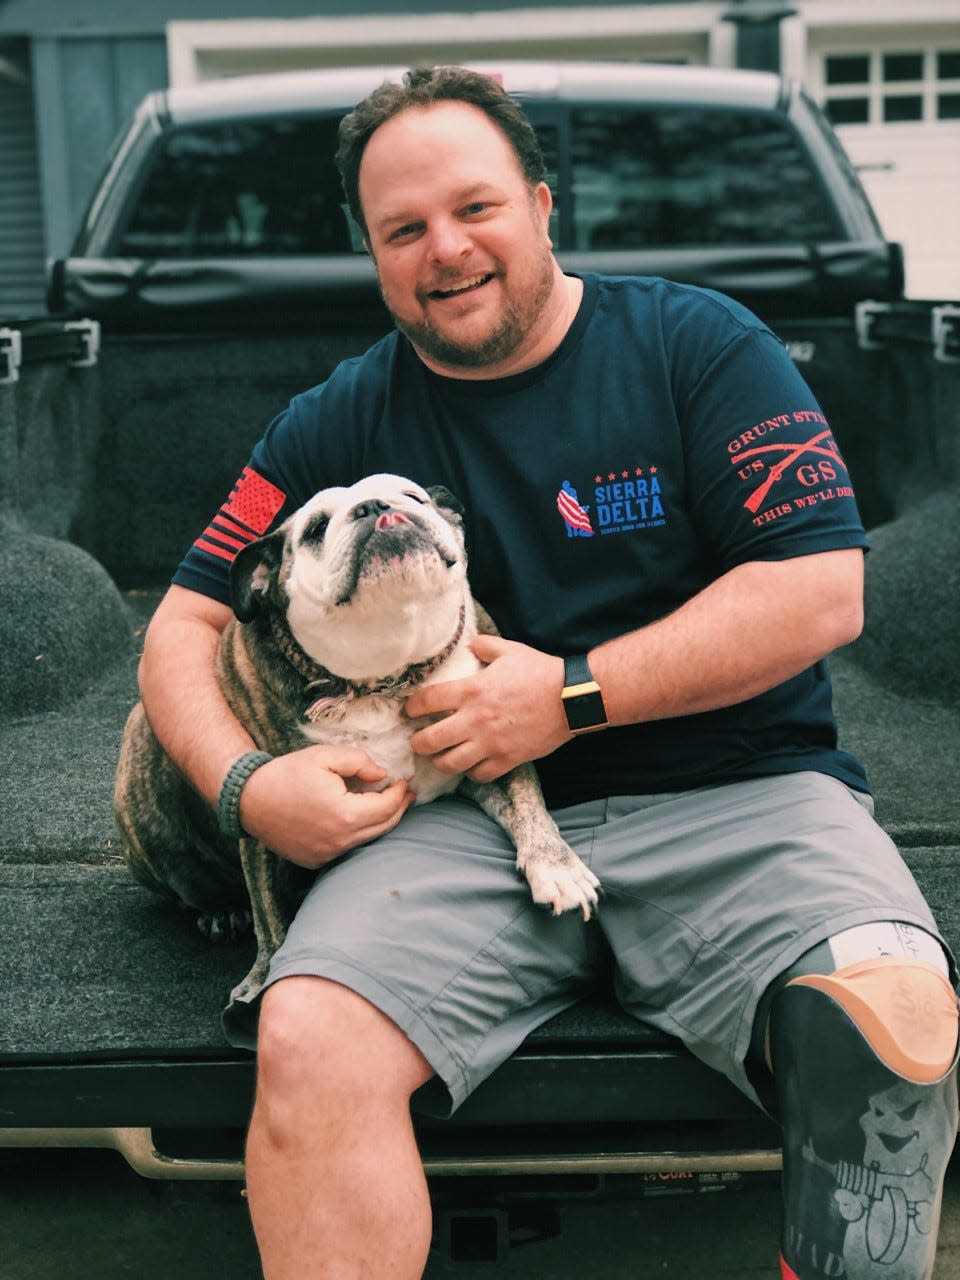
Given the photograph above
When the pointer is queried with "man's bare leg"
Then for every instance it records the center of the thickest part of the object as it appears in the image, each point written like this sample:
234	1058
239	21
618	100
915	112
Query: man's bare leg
334	1178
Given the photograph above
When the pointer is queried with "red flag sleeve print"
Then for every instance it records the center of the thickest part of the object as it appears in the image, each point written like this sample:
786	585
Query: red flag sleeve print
249	511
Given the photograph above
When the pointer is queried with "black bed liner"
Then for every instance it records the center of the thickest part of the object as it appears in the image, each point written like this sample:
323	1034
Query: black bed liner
110	1004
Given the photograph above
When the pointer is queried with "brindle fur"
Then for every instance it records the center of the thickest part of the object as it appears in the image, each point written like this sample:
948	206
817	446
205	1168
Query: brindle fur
172	841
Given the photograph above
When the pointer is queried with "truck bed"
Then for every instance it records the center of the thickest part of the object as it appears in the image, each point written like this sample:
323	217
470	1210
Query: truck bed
109	1011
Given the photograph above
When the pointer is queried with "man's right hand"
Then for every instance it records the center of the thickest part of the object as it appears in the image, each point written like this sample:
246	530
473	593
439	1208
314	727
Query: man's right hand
300	806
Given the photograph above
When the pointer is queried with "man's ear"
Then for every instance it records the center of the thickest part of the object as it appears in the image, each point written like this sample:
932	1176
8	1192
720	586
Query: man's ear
253	574
450	505
543	201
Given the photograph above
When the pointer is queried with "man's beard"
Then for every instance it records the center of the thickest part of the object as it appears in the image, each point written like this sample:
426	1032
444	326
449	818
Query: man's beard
518	319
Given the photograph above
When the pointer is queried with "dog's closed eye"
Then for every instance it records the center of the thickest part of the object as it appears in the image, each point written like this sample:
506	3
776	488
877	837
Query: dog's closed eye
316	529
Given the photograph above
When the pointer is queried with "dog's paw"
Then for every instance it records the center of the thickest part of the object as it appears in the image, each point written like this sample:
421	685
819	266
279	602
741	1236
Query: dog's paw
564	886
226	926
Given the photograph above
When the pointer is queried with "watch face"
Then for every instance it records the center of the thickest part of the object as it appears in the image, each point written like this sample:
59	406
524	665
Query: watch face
585	710
582	699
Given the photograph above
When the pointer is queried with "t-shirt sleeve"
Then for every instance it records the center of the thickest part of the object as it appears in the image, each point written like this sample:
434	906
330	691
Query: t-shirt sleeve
314	443
766	478
262	497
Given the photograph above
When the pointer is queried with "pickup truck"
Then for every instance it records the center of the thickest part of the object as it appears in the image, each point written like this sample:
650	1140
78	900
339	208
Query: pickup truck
215	275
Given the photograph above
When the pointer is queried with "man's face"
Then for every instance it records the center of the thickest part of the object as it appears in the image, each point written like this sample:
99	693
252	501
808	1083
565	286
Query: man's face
459	239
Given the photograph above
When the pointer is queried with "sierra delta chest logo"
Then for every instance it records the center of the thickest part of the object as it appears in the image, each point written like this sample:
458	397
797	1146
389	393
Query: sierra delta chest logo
621	501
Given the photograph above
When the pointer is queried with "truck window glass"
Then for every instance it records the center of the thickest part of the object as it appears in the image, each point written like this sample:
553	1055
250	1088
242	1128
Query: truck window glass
674	176
249	187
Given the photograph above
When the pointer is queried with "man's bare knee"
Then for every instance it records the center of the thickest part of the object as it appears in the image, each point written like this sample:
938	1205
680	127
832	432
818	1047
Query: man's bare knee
321	1038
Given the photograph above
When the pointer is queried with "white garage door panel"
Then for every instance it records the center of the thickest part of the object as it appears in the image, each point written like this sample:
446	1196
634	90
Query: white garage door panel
912	176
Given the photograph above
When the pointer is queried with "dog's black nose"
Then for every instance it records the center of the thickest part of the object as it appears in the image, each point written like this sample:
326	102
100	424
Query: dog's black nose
372	508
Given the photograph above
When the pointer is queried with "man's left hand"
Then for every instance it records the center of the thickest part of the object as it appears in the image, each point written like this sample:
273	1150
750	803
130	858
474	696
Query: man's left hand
507	714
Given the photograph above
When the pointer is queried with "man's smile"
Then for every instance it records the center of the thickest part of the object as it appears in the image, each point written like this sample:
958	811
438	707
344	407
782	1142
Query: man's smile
464	286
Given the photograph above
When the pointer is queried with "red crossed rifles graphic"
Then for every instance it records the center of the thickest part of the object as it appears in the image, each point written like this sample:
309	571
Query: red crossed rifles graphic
793	453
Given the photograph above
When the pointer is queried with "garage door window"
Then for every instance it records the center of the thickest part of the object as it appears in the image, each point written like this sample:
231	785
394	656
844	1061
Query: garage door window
892	86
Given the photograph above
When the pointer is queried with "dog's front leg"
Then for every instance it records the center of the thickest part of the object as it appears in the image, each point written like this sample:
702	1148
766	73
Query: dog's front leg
557	877
260	870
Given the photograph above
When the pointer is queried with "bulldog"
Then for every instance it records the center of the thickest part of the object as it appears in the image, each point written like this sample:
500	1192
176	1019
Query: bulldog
356	600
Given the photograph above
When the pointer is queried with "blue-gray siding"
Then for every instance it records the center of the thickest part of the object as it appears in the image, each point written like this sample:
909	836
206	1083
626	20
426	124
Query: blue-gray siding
85	88
21	216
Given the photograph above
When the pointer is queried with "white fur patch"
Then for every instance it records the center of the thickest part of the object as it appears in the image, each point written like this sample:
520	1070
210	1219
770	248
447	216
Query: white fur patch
365	604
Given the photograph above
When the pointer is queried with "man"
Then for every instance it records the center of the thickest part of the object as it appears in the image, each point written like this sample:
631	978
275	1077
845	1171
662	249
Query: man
746	889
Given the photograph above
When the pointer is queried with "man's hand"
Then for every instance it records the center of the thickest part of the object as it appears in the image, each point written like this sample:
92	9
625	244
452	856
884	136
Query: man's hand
507	714
299	804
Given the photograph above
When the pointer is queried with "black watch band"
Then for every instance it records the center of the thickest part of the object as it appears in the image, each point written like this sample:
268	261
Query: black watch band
582	699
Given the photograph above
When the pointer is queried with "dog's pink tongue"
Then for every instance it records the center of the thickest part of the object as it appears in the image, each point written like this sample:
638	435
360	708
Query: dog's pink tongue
391	517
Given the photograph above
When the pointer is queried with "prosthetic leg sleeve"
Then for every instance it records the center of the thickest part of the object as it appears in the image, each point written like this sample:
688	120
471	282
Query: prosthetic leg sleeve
864	1063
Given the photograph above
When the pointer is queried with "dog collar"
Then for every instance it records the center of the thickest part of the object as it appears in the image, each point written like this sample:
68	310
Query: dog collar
306	668
322	685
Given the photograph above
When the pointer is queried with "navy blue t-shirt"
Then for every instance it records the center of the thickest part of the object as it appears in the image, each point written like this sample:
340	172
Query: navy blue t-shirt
668	439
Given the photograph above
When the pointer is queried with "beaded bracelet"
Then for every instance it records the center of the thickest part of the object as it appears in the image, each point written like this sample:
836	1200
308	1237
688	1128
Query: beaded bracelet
228	802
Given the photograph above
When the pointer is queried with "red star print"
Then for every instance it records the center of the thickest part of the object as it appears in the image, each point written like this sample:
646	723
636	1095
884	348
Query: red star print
612	475
598	479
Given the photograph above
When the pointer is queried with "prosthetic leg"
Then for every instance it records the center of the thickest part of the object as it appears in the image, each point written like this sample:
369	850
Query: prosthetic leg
864	1065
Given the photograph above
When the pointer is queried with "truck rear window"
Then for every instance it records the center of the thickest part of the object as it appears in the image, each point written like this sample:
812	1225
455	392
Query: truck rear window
264	187
674	176
637	178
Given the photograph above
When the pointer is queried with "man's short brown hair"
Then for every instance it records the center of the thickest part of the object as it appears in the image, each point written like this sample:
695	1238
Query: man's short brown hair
419	88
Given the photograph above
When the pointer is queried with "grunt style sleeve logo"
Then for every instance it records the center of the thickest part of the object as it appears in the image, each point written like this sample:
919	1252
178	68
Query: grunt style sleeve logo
815	464
622	502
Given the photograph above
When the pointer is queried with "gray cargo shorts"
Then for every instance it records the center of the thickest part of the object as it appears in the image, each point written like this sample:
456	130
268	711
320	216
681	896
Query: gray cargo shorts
706	897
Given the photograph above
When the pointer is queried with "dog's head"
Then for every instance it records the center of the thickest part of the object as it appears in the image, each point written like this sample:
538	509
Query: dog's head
368	577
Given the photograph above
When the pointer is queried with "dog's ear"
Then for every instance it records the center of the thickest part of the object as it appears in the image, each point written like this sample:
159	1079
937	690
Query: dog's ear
254	573
445	501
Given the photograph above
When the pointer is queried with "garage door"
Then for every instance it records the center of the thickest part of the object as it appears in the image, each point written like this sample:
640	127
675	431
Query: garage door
897	111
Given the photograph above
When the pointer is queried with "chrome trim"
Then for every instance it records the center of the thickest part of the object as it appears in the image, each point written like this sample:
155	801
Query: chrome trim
137	1147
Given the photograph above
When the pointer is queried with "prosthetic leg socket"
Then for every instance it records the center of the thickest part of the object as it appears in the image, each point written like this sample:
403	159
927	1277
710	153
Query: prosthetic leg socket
864	1064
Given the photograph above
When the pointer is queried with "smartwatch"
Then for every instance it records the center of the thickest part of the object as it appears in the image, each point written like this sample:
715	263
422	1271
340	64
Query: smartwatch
582	699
